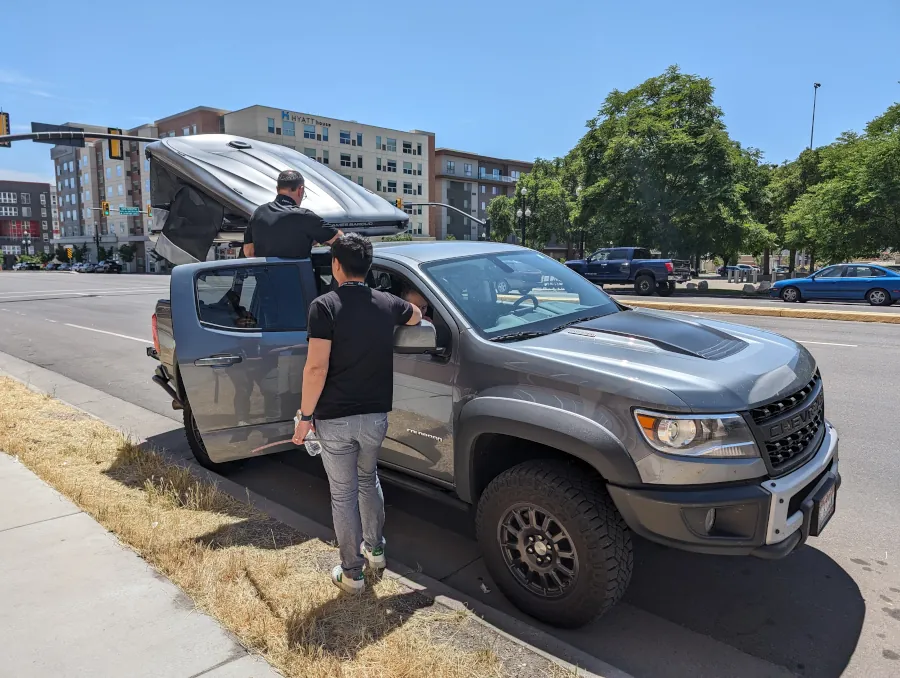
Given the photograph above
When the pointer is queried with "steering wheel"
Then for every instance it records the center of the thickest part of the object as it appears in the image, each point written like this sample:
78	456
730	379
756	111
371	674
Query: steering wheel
530	297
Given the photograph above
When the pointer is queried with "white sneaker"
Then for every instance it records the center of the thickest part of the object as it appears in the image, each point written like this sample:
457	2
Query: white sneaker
344	583
375	558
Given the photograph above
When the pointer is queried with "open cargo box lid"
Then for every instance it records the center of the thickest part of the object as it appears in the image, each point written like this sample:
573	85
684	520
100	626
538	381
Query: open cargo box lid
205	188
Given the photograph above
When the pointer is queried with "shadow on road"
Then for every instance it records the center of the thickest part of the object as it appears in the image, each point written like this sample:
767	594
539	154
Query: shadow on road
804	613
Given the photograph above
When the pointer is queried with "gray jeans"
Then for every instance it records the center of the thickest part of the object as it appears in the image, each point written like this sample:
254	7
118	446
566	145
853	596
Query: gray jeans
350	447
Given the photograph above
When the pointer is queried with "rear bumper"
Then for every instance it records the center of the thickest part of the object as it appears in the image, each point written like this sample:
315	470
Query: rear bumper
768	519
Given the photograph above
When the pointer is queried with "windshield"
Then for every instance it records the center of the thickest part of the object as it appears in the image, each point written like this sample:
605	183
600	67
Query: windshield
529	292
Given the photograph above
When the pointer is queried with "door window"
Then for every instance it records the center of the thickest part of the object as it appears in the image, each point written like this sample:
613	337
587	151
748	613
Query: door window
830	272
863	272
252	298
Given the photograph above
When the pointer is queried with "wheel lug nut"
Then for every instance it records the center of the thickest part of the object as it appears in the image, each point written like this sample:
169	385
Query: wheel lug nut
530	550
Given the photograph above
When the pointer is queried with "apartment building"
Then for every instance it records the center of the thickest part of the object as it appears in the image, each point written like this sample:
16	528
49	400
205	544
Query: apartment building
85	177
25	217
469	182
390	162
197	120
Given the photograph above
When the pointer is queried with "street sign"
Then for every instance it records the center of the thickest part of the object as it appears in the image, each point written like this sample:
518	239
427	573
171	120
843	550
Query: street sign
129	211
44	127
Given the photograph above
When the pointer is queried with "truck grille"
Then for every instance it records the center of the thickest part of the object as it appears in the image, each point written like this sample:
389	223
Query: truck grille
791	429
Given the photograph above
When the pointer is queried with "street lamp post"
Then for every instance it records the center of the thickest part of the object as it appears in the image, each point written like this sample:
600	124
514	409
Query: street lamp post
578	197
523	212
816	86
26	243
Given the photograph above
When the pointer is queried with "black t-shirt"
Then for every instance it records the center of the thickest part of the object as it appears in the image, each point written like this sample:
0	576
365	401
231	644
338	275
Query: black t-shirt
282	228
359	322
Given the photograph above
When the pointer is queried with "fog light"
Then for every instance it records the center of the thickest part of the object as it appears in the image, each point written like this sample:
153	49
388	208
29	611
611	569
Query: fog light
710	520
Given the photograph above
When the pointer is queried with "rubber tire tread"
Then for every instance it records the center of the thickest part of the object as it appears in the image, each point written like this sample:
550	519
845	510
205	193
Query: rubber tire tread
637	285
197	448
602	538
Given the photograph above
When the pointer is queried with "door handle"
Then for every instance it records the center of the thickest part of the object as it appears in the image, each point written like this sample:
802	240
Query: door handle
218	361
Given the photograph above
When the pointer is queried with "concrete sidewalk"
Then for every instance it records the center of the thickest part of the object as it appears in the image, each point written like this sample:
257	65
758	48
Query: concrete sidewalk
75	602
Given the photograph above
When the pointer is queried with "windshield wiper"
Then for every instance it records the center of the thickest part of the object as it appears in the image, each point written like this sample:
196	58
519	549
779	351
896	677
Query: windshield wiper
515	336
575	322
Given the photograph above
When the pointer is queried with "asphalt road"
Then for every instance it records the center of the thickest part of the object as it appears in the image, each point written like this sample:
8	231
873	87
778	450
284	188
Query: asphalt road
831	609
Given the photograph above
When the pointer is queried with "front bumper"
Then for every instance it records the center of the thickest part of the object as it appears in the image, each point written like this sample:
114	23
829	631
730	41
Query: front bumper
767	519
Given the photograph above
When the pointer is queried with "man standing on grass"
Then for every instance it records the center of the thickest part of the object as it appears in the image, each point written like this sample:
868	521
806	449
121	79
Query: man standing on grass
348	387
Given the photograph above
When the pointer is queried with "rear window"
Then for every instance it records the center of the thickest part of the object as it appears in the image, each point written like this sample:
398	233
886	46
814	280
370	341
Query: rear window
642	254
267	298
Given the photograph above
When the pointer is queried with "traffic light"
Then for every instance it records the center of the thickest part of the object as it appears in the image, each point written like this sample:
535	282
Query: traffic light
115	146
398	203
104	206
4	129
69	252
149	211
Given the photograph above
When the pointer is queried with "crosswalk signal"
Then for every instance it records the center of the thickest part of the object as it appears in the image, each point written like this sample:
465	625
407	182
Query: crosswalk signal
115	146
398	203
4	129
104	206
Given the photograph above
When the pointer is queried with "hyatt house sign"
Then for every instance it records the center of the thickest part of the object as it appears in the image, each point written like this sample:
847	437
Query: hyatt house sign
303	119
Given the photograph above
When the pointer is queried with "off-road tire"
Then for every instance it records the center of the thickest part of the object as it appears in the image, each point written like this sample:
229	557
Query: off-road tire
195	441
598	533
645	285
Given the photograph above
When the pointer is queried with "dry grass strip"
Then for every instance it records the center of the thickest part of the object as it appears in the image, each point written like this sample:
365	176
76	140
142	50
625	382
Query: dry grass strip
262	580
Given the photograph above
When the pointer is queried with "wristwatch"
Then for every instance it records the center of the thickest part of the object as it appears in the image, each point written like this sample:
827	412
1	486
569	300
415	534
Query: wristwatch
304	417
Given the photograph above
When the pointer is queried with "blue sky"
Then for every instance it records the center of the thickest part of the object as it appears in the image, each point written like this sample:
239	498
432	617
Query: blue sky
515	80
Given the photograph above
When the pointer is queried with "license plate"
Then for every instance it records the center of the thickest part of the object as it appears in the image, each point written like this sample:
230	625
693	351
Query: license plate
826	508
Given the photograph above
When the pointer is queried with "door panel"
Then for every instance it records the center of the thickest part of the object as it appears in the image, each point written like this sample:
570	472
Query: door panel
825	285
241	348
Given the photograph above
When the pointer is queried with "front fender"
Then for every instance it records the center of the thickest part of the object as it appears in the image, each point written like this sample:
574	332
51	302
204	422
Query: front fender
565	431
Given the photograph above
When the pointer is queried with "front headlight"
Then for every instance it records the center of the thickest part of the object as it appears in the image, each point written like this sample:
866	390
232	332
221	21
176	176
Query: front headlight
715	436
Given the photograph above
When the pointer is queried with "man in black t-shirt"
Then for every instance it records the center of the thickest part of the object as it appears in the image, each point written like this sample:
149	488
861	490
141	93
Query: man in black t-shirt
282	228
348	385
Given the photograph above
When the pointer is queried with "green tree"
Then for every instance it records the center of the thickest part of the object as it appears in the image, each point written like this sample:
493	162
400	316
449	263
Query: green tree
659	167
60	253
103	254
502	213
127	253
400	237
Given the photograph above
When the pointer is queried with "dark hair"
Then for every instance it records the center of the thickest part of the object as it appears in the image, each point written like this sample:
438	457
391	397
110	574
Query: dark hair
354	253
291	180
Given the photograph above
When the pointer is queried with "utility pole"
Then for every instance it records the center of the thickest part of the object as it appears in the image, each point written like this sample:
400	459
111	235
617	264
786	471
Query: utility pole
816	86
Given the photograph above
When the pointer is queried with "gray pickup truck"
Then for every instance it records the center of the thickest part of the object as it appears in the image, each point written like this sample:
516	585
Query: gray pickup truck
569	420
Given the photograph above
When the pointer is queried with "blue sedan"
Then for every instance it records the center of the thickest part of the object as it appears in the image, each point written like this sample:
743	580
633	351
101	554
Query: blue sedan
878	285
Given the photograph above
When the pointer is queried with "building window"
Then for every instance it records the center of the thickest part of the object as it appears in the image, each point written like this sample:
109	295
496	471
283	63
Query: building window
146	165
378	144
419	169
43	211
359	180
118	170
515	174
407	189
481	173
288	128
147	185
120	190
26	198
58	170
87	195
310	153
359	162
467	169
407	168
109	172
378	185
359	139
419	191
483	189
67	198
347	177
391	165
309	131
271	125
392	187
324	156
6	211
324	133
407	147
345	160
392	145
418	149
465	203
58	185
493	190
451	167
378	163
495	173
9	197
345	136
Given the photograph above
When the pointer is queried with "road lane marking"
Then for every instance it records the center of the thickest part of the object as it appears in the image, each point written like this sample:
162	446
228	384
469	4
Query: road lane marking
827	343
49	321
105	290
114	334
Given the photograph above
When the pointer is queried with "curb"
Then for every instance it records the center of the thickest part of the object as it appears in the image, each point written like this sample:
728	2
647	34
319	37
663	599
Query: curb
847	316
533	639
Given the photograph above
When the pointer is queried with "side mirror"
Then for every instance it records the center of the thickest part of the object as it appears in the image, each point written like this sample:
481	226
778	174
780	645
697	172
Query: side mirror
415	339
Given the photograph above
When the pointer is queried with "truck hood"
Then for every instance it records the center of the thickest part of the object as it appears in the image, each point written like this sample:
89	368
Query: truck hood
710	366
205	188
576	263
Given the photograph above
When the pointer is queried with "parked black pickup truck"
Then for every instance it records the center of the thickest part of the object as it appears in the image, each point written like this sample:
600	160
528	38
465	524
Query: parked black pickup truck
569	420
632	265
